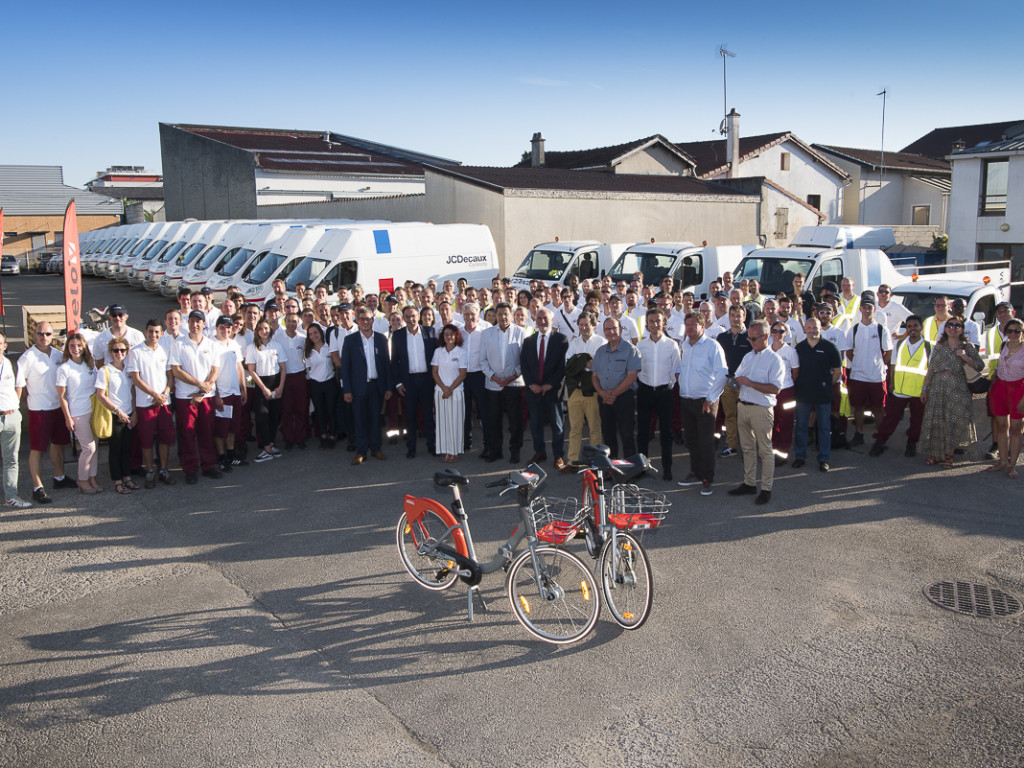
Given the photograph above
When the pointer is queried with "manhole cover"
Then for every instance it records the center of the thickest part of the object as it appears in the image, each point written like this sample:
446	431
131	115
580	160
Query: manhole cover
972	599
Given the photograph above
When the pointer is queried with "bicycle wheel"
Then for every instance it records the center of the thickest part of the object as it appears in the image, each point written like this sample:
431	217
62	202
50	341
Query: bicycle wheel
434	572
565	607
626	580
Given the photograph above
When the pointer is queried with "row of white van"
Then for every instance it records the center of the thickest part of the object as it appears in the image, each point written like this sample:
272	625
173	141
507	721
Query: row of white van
163	256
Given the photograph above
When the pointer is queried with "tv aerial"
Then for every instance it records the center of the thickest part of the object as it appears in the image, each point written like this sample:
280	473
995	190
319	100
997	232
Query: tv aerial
725	54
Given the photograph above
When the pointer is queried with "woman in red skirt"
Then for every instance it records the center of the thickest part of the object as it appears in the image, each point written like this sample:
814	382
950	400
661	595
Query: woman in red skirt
1006	399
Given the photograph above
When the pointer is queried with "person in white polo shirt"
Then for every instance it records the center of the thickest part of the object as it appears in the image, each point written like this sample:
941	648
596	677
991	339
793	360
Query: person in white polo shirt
10	429
118	329
150	372
37	373
195	363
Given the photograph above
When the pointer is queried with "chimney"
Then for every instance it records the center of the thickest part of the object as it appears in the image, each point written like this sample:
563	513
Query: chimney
537	150
732	142
959	145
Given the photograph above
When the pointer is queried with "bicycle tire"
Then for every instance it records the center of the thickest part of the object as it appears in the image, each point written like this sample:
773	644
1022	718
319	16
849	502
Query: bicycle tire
626	580
570	611
433	572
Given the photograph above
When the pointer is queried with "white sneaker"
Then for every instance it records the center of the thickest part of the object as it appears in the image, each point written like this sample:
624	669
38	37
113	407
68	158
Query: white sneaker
17	503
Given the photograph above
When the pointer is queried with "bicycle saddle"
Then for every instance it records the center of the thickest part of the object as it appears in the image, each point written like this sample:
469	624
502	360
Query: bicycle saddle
597	450
450	477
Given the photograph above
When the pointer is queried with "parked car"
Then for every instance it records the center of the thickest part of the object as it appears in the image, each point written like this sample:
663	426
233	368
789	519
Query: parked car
44	260
55	265
9	266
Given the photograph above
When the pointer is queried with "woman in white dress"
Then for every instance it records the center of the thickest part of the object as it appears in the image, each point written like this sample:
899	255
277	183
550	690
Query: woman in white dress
449	370
76	384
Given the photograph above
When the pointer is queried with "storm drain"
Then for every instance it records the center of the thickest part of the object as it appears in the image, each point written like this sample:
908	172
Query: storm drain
972	599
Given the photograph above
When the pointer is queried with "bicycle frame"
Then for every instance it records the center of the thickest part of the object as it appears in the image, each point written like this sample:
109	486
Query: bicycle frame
462	550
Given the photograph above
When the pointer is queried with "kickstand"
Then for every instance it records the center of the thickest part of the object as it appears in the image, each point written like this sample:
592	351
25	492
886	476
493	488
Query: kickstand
483	603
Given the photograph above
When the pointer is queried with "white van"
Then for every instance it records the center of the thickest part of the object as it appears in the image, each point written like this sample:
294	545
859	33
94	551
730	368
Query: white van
118	268
185	260
691	267
278	261
127	239
218	254
231	270
116	240
824	254
556	262
382	257
140	264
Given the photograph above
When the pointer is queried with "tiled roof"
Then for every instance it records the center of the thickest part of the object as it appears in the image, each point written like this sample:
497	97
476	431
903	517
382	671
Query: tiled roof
1009	145
904	161
320	152
552	179
599	157
712	157
39	190
939	142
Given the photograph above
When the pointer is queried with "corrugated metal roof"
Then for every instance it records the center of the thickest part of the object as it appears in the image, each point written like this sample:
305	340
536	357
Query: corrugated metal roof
39	190
942	183
1010	145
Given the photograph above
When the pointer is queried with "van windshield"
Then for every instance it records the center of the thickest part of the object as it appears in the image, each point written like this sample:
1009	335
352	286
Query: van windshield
190	253
173	251
141	246
236	262
263	268
207	259
543	265
774	275
154	250
653	265
308	270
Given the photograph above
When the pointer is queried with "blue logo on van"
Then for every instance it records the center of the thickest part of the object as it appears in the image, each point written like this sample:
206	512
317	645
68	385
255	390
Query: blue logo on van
382	240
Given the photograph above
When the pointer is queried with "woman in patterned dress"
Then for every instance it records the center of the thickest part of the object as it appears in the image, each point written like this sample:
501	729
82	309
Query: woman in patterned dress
948	421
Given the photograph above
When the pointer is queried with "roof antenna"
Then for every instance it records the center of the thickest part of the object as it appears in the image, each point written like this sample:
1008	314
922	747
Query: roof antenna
725	54
881	164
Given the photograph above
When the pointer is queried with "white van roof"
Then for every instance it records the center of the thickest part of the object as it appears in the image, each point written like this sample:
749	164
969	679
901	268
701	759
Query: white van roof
829	236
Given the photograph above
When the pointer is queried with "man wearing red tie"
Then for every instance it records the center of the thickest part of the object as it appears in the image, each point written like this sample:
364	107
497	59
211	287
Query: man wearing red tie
543	366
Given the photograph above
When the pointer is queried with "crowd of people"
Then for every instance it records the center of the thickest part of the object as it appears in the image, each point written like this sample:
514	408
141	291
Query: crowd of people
738	374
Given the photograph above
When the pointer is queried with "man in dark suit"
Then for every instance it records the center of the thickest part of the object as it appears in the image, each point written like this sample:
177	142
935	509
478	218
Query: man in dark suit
543	366
412	350
366	384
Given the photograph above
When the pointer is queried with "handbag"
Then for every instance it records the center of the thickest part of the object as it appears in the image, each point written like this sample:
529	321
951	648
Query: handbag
101	421
976	383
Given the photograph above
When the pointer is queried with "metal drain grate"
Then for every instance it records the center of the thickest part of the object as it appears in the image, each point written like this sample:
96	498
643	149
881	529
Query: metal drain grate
972	599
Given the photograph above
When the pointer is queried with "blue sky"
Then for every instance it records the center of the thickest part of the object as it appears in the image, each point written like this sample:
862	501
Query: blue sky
474	81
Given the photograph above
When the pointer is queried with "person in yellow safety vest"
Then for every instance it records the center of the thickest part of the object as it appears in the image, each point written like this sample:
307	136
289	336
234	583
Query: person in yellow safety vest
995	337
849	301
933	325
907	371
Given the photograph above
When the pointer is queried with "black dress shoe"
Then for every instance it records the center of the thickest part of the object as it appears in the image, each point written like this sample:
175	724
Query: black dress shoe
798	463
743	490
215	473
911	451
513	457
491	458
763	497
538	458
666	475
190	478
410	454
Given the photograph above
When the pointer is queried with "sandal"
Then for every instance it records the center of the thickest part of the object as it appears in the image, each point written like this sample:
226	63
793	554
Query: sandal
1012	474
999	466
121	488
131	484
933	460
947	463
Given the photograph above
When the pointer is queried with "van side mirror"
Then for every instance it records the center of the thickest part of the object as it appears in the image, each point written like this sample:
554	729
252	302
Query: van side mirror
330	287
602	273
979	317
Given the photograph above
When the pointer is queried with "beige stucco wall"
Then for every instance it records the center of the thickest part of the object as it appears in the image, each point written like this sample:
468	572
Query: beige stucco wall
407	208
654	160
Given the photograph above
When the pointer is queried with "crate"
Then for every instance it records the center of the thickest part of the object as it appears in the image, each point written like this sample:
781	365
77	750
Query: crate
54	314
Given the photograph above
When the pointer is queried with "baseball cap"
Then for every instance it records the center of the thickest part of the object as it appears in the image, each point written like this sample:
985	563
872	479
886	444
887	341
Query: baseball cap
195	314
116	309
270	305
867	297
223	320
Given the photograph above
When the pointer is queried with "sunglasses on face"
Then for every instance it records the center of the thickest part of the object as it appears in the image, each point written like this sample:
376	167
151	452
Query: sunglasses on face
778	332
1014	331
954	325
44	333
119	351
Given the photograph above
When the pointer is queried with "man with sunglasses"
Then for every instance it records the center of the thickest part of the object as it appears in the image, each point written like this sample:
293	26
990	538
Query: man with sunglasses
118	329
890	313
37	372
869	355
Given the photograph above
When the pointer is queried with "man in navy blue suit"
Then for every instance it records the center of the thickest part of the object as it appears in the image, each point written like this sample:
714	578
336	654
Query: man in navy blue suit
412	350
543	366
366	382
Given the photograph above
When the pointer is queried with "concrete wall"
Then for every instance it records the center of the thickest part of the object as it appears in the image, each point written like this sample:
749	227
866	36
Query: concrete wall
654	160
530	220
409	208
804	177
966	227
278	188
204	179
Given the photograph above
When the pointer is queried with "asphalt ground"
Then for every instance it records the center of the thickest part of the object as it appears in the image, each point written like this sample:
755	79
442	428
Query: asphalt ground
264	620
